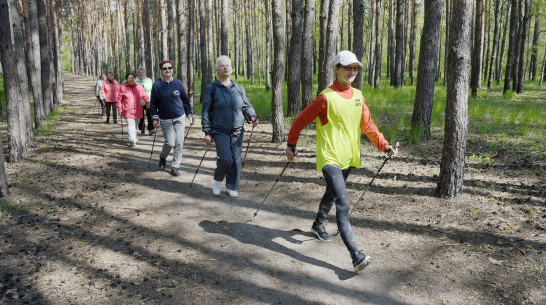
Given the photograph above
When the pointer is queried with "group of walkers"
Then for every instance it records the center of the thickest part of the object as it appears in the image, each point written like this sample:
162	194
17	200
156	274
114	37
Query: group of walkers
340	113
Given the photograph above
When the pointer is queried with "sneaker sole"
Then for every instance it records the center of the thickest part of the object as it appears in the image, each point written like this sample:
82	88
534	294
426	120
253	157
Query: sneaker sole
318	235
363	264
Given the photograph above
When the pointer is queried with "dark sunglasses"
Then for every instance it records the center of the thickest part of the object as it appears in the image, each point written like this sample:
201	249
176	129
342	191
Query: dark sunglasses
166	68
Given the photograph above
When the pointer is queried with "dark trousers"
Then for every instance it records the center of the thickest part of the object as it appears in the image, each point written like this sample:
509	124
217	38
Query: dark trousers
111	107
228	164
336	192
102	106
146	114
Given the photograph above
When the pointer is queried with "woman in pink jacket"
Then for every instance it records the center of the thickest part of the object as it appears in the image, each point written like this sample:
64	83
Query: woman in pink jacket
129	105
110	89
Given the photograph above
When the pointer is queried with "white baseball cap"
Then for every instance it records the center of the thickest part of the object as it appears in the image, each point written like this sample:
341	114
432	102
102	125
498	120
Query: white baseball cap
346	58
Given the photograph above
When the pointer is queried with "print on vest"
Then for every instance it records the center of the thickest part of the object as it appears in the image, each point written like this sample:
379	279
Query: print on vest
358	102
176	92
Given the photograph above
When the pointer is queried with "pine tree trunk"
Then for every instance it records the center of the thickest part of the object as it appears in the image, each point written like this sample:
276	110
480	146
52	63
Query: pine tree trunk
522	39
55	69
326	78
428	55
446	39
349	19
294	59
450	180
378	41
171	42
324	4
371	46
225	28
391	53
413	41
268	35
495	46
147	39
45	58
543	73
358	39
307	54
399	44
235	41
500	63
3	180
182	43
512	40
205	80
477	56
33	59
191	51
163	30
210	38
12	57
58	49
127	37
534	49
249	44
487	37
278	72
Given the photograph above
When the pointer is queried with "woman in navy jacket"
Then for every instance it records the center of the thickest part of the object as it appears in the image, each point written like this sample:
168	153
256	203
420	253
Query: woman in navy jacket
170	107
224	107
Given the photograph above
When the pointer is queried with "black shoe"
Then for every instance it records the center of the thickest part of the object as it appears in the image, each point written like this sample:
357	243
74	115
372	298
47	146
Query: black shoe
162	163
320	232
360	261
107	121
175	172
115	122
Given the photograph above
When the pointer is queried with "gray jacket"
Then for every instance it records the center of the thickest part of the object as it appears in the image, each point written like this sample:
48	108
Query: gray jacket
224	108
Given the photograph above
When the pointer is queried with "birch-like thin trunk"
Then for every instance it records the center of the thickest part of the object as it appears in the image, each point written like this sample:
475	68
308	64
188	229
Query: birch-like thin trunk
277	115
307	54
294	59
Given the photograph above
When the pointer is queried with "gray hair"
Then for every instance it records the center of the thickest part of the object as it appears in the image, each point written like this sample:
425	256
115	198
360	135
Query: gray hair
220	59
141	68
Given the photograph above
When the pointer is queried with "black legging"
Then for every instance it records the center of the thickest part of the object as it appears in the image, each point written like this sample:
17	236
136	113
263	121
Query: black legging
146	114
336	192
111	107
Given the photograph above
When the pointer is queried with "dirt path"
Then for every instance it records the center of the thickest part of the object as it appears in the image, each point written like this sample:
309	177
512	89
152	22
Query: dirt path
88	222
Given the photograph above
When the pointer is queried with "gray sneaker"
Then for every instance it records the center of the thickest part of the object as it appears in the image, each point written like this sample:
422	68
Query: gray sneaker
320	232
360	261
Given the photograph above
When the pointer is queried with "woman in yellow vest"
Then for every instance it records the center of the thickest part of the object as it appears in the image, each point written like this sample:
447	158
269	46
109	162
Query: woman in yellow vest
340	112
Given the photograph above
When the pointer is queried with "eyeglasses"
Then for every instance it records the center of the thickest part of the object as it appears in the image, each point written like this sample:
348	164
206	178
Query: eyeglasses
349	68
166	68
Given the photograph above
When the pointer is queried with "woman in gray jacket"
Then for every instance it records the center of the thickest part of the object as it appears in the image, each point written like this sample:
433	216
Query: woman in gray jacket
225	106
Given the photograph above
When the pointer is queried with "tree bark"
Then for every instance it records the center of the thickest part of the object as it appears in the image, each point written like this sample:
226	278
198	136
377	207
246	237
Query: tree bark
182	43
522	39
210	52
378	43
307	54
45	58
413	41
225	28
33	59
450	180
268	35
371	46
278	72
500	63
235	41
399	44
391	51
495	45
326	76
205	79
543	73
511	44
477	56
249	44
294	59
191	51
358	39
12	57
171	42
3	180
534	49
428	55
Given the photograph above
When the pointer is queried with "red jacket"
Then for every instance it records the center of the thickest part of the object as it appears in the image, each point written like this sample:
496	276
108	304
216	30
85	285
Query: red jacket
110	90
129	101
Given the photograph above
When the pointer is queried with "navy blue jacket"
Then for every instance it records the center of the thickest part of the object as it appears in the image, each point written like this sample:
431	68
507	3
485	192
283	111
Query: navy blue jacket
224	107
169	100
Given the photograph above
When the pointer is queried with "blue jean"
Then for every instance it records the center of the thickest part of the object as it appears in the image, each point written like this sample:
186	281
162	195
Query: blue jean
336	192
173	132
228	150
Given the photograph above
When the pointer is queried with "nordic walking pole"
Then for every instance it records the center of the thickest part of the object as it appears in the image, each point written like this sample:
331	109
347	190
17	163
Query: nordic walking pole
155	134
121	115
142	129
200	164
186	136
278	178
246	151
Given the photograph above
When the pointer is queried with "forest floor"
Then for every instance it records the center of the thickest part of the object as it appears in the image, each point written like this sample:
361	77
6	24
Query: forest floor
88	221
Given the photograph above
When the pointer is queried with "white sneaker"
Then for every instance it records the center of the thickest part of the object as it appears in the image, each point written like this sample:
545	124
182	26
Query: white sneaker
217	187
232	193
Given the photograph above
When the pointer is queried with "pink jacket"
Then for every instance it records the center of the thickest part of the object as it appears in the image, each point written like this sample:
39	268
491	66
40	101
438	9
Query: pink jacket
129	101
110	90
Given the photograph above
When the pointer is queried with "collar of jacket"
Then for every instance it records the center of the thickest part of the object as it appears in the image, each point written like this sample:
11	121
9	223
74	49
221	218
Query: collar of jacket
172	78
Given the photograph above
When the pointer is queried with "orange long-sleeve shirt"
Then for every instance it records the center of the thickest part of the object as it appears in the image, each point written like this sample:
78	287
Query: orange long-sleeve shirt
319	108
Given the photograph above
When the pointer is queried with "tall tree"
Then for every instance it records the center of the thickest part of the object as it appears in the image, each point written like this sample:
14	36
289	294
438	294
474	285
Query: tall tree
225	28
522	38
477	56
500	63
307	54
191	51
12	58
512	40
249	43
413	40
329	39
148	52
378	43
171	41
428	54
495	45
399	44
3	180
182	43
268	43
33	59
543	73
450	180
534	48
278	72
390	48
371	46
205	78
294	59
163	30
358	39
45	58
